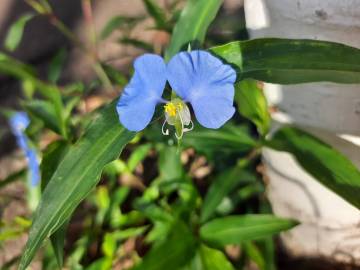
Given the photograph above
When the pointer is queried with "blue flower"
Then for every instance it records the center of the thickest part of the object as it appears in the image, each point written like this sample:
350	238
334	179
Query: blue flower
18	123
196	77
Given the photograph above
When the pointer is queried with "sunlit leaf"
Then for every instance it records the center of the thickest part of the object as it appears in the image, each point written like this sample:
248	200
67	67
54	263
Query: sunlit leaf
192	25
290	61
137	156
213	259
15	33
252	104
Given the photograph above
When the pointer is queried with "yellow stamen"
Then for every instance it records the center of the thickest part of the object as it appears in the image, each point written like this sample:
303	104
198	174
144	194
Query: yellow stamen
170	109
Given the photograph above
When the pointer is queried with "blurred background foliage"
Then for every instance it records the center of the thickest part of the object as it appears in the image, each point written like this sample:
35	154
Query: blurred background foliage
199	204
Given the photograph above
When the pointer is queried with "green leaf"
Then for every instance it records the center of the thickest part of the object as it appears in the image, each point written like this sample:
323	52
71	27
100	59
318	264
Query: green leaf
254	254
170	167
252	104
222	186
116	23
213	259
16	30
323	162
75	177
268	251
192	24
290	61
56	66
175	251
138	155
127	233
157	13
58	241
45	111
109	246
237	229
227	139
11	66
52	156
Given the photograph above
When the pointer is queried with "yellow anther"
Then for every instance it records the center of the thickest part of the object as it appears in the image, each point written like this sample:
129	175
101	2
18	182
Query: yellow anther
170	109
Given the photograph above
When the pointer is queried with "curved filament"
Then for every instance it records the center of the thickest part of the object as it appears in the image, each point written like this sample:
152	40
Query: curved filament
164	132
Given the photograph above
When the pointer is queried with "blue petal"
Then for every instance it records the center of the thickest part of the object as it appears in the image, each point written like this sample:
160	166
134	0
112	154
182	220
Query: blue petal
137	104
207	83
19	121
212	112
33	166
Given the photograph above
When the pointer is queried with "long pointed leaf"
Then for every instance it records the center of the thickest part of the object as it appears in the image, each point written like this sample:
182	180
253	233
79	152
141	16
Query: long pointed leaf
76	175
237	229
289	61
15	33
193	24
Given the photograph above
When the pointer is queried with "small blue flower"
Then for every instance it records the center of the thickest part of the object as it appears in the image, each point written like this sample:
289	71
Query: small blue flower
18	123
196	77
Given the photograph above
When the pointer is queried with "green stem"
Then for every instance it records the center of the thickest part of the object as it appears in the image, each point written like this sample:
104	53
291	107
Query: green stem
102	76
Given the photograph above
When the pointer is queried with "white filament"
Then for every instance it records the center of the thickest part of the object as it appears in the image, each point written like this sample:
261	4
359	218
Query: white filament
166	132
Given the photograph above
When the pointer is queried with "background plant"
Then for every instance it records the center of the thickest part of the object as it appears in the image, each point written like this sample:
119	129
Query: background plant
154	196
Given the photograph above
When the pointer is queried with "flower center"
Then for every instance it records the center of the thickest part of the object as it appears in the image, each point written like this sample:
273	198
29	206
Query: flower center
174	107
170	109
177	114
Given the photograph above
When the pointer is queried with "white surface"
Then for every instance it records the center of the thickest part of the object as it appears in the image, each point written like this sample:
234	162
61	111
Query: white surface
329	224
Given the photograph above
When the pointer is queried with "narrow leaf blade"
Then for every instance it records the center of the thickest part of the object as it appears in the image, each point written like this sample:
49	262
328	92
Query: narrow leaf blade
291	61
192	25
76	175
252	104
213	259
52	156
15	33
237	229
